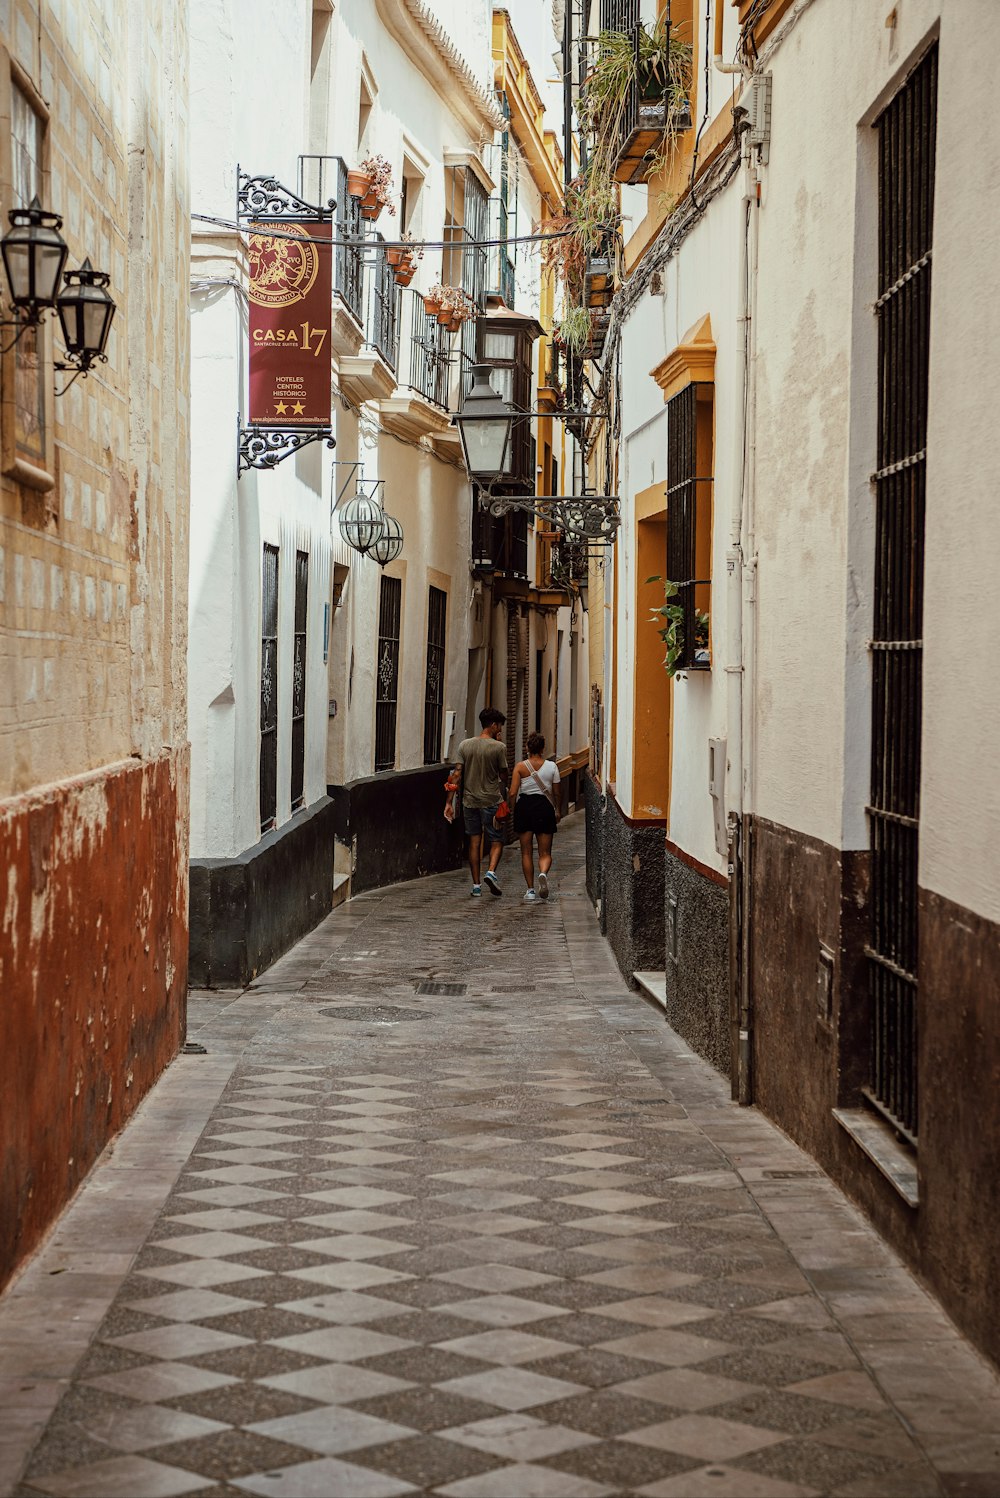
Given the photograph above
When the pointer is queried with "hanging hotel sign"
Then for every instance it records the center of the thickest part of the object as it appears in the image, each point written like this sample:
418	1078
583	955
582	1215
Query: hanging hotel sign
290	250
291	299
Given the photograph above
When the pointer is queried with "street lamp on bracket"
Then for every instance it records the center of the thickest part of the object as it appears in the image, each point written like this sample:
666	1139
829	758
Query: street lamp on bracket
485	422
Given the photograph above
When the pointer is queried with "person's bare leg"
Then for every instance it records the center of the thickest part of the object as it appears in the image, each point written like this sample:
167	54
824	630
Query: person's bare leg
496	852
475	855
527	861
544	852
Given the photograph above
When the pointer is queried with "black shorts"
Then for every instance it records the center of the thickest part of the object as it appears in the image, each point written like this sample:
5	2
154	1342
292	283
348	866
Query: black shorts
534	814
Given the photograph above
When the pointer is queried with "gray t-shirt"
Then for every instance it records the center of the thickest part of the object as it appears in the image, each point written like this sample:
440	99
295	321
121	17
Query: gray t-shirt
484	762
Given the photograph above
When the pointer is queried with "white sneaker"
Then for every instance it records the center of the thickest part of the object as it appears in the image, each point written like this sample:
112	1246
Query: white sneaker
543	886
531	896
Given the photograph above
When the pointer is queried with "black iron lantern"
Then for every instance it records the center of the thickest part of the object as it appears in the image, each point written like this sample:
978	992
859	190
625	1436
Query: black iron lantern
387	547
362	522
34	254
85	310
484	424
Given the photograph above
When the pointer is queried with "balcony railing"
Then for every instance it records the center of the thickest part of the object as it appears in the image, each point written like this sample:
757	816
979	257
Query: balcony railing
321	178
644	120
430	352
500	267
382	329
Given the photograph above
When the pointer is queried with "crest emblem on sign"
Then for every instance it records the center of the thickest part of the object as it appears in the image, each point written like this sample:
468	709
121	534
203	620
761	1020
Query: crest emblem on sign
282	271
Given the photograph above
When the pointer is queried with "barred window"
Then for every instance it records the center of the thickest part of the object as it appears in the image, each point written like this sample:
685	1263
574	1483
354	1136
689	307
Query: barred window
387	672
299	679
269	690
689	517
906	138
437	613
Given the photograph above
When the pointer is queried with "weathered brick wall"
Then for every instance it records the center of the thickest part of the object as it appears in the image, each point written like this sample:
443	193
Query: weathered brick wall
93	602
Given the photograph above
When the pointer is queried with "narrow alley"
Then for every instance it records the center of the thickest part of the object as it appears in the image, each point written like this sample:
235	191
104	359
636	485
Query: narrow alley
445	1208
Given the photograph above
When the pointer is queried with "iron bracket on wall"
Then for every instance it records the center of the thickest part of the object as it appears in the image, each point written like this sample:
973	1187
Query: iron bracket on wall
267	198
586	517
266	447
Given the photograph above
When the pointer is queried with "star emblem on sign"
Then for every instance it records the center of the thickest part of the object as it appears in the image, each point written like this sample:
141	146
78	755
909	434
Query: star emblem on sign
280	408
298	409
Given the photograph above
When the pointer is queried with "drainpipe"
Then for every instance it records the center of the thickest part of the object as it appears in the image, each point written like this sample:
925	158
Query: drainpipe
740	564
717	63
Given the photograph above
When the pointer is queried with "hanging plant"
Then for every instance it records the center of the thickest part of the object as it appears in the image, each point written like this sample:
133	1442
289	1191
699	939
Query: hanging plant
669	619
576	329
660	71
358	182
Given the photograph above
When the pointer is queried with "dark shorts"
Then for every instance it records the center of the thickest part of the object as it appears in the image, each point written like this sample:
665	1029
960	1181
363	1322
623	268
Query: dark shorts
534	814
479	821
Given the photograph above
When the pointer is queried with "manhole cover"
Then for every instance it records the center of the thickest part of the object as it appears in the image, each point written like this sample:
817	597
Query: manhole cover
440	988
513	988
379	1014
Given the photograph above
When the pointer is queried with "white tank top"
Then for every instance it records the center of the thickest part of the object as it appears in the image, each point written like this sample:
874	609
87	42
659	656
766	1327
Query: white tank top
548	775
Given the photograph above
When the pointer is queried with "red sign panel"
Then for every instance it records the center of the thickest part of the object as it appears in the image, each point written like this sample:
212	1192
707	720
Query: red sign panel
291	299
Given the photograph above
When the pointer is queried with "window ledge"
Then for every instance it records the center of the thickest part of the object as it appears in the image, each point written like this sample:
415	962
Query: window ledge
878	1141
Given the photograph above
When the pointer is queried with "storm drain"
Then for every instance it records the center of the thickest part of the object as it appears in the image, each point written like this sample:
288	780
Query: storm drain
513	988
378	1014
440	988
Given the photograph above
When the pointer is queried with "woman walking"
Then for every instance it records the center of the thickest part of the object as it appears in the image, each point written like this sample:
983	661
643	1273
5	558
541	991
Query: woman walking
534	797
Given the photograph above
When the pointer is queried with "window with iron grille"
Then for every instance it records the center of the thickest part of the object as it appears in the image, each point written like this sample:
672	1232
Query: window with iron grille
689	517
299	679
906	142
437	613
430	356
509	353
269	690
387	672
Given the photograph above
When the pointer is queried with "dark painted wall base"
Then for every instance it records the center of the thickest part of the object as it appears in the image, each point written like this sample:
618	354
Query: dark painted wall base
625	871
697	961
811	1047
247	911
395	823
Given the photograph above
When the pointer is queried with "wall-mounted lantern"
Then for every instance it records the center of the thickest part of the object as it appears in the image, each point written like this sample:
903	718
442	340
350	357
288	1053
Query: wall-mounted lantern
390	543
484	425
34	259
362	521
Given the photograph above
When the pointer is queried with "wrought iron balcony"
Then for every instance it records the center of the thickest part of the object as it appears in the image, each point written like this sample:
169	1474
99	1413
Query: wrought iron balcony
500	543
649	106
430	353
382	324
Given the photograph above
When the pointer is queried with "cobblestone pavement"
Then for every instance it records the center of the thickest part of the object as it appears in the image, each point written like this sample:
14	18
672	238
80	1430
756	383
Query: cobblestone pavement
446	1209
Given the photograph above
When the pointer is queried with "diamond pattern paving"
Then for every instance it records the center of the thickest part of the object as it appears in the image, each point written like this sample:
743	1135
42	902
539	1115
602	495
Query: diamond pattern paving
501	1253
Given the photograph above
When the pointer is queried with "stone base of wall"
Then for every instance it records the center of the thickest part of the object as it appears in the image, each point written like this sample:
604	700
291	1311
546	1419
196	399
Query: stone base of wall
633	899
593	801
247	911
806	1062
93	975
395	825
697	960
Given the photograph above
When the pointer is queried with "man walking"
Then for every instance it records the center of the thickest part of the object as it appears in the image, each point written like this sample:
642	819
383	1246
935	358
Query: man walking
481	772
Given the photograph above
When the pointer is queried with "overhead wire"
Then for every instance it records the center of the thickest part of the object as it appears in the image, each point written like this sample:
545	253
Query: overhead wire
246	227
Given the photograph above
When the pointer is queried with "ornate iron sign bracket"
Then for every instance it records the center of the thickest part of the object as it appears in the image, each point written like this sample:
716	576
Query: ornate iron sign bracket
267	198
266	447
584	517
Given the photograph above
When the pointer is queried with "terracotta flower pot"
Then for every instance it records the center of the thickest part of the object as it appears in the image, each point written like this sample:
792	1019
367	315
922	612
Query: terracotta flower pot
404	277
444	316
394	256
371	207
358	183
432	306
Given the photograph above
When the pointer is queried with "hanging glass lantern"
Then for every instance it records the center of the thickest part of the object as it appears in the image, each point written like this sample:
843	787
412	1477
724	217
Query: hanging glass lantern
362	521
389	545
85	310
34	253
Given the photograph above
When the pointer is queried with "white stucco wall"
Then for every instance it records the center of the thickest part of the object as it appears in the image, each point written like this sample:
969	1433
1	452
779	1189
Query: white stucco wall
701	279
815	443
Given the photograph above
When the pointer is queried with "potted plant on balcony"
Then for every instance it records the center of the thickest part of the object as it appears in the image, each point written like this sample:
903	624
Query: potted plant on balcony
576	329
434	299
358	182
379	193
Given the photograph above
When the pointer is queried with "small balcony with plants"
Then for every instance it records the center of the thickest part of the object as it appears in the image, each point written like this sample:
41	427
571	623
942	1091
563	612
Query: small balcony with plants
429	354
636	101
